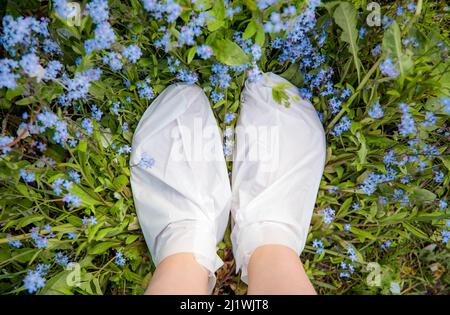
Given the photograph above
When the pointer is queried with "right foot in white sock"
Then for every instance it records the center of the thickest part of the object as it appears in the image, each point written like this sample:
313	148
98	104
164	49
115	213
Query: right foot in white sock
277	169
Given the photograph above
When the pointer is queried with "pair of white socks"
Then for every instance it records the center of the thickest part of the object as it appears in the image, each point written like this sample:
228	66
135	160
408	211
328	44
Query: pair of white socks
180	181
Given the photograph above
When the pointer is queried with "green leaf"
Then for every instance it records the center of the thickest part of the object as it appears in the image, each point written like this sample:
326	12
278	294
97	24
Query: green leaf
214	25
131	276
120	182
345	17
218	16
344	207
219	103
107	232
82	146
23	189
362	233
392	47
87	280
93	231
250	30
421	195
260	36
218	10
50	92
191	54
119	209
11	93
57	285
24	255
86	195
290	72
98	289
415	231
130	239
362	152
251	4
395	218
229	53
77	50
445	161
26	100
137	29
330	5
97	89
145	62
28	220
393	93
102	247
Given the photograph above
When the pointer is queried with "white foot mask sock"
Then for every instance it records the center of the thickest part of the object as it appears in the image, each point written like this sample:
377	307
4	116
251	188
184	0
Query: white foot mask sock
278	165
179	178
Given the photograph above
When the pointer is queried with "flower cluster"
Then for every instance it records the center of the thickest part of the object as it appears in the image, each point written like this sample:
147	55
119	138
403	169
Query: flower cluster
40	241
78	87
343	125
132	53
145	90
388	68
104	37
61	259
182	74
119	259
35	279
168	10
98	10
318	245
113	59
280	21
220	76
375	111
27	176
407	126
13	243
204	51
328	215
193	29
92	220
72	200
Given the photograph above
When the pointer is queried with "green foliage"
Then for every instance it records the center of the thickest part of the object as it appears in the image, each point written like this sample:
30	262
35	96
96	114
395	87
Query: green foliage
228	52
392	47
345	17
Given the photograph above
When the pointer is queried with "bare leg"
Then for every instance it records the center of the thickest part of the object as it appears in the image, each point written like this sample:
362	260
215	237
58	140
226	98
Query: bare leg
179	274
276	269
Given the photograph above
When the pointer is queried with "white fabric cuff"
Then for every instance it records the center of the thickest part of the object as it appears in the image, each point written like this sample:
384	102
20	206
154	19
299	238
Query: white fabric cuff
193	237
